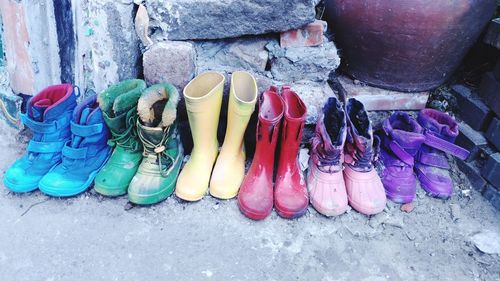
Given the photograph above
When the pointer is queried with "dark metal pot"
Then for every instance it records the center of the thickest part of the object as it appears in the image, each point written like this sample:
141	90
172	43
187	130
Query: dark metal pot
406	45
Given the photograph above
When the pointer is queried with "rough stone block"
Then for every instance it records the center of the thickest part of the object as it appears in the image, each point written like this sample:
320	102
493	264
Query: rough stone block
381	99
172	62
209	19
472	109
108	47
473	173
492	194
303	63
10	107
309	35
232	54
491	170
493	133
314	96
471	140
489	90
492	36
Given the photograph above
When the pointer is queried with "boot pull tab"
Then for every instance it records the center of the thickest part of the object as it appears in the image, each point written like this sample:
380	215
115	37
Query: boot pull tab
258	134
284	129
273	131
298	137
77	92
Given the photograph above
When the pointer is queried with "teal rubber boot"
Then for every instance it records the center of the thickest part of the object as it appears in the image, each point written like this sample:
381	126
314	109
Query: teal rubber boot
162	157
48	115
119	107
83	156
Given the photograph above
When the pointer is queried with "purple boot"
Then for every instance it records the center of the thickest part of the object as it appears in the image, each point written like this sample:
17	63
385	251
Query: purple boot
431	165
401	141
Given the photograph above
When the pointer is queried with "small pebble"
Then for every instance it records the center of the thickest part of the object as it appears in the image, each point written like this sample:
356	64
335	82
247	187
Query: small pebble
407	208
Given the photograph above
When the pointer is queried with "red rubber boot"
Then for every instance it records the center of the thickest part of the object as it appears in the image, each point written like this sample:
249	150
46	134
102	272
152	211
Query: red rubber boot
255	198
290	194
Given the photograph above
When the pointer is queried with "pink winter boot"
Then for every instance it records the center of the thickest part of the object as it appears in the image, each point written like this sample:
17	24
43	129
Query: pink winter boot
325	180
365	191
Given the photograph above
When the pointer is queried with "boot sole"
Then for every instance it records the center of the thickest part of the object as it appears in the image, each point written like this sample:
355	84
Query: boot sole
222	196
430	192
364	210
253	215
149	199
290	215
189	198
19	188
400	199
328	212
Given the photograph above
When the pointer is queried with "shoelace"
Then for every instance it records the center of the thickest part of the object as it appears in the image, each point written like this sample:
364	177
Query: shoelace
124	139
365	159
159	150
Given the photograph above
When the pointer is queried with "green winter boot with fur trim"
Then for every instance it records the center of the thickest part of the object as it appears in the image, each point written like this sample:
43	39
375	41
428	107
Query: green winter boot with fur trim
162	157
119	107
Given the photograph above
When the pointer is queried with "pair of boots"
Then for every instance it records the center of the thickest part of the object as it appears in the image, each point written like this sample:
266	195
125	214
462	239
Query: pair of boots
340	167
68	146
203	96
419	146
147	153
289	195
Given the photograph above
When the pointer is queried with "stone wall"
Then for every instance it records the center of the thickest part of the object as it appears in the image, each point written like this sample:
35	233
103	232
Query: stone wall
95	43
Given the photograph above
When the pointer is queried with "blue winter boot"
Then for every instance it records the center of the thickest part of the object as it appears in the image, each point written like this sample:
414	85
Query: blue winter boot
48	115
83	156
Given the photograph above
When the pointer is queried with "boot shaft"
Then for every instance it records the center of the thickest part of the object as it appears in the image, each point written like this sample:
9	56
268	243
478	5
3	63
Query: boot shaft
203	97
359	148
89	136
87	125
328	142
242	99
439	124
119	107
271	110
292	129
48	115
156	125
402	130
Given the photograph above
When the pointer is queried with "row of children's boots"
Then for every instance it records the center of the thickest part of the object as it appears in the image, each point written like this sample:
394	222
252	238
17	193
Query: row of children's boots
126	139
344	147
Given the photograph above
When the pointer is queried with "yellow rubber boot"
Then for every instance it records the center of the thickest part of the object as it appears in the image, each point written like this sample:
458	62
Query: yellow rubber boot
230	166
203	96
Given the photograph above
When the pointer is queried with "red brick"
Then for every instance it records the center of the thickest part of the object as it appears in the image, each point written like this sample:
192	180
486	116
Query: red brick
380	99
310	35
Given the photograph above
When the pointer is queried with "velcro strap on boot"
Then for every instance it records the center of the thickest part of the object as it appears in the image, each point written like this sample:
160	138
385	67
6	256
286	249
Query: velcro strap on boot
45	147
445	146
74	153
404	156
86	130
433	160
43	127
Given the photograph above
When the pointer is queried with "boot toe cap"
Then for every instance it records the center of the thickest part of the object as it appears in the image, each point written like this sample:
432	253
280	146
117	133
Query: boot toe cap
366	193
291	204
18	180
400	188
439	185
61	185
254	206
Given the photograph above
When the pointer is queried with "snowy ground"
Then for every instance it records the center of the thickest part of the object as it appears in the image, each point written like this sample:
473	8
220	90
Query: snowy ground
93	238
